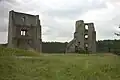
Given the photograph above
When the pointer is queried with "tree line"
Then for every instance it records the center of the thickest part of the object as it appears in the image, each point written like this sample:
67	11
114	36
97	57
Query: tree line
101	45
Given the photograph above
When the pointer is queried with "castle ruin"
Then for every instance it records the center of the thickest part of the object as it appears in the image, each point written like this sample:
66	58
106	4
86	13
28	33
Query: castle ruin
24	31
84	38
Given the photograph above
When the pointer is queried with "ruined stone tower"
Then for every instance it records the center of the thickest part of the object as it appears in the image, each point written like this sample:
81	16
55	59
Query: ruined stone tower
84	38
24	31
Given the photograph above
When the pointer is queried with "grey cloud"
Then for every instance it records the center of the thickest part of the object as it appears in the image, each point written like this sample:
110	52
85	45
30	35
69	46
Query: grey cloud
113	0
69	12
10	1
106	30
67	29
3	37
5	7
74	11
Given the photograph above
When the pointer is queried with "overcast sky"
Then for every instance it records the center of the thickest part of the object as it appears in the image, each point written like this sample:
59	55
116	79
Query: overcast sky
58	16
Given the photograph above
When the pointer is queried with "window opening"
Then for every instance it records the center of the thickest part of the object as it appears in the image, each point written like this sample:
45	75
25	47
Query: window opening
86	27
23	32
86	36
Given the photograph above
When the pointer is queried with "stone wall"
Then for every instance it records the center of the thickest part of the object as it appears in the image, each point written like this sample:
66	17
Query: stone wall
24	31
84	38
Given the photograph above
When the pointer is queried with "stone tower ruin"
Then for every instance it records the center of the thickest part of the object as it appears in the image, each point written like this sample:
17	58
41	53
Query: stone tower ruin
24	31
84	38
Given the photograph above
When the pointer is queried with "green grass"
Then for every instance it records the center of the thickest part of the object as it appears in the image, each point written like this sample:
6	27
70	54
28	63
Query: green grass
60	67
16	52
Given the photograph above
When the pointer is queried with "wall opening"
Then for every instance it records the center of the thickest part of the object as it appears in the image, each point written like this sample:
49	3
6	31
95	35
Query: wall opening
86	27
86	36
86	45
23	32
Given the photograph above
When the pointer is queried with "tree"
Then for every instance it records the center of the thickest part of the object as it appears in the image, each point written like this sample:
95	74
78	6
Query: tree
118	34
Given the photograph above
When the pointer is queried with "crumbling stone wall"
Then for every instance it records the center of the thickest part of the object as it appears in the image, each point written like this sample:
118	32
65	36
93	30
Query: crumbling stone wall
84	38
24	31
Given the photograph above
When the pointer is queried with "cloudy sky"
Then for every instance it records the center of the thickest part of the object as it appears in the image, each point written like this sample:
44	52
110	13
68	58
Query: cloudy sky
58	16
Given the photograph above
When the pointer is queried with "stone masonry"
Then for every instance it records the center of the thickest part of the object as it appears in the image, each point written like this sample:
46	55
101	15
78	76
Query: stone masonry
24	31
84	38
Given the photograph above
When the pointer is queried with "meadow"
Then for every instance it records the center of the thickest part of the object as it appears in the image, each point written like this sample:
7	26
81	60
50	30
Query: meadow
18	64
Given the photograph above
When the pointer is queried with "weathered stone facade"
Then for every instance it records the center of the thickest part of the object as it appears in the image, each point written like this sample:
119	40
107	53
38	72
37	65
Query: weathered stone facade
84	38
24	31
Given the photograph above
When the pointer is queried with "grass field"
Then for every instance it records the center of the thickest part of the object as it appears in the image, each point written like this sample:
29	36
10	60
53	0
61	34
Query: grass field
57	67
